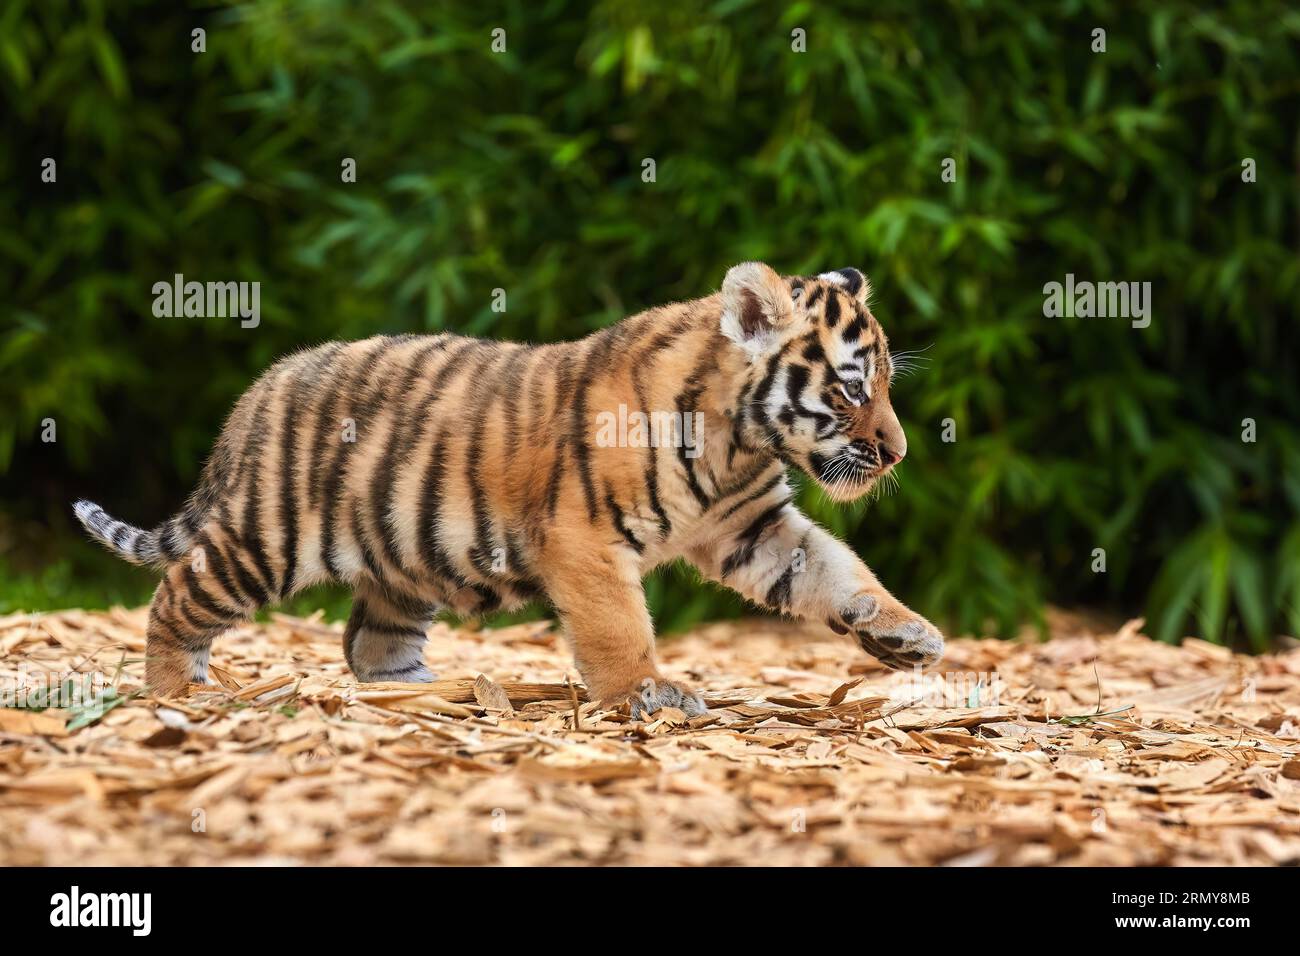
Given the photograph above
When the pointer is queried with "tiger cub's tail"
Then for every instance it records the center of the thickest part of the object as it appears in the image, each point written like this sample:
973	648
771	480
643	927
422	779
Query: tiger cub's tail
155	547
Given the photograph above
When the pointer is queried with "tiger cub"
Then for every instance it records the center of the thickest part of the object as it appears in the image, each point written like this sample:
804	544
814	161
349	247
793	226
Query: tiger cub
433	472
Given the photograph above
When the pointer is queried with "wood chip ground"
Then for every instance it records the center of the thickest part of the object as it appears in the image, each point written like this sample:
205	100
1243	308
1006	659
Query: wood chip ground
1087	749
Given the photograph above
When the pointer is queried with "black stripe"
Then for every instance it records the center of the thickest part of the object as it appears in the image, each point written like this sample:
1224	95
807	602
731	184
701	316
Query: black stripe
692	481
195	635
749	538
688	396
796	380
250	584
120	534
781	594
646	356
251	588
563	383
816	464
750	499
170	543
340	381
758	403
405	434
251	531
431	550
217	569
652	454
363	543
525	581
557	475
344	383
355	621
578	427
746	479
396	675
191	519
414	607
392	630
616	513
288	500
757	400
652	488
334	476
490	599
778	595
738	424
210	547
184	608
198	596
813	352
832	310
430	500
312	368
478	404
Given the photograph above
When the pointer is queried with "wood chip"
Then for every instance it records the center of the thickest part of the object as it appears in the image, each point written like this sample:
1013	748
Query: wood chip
50	723
492	695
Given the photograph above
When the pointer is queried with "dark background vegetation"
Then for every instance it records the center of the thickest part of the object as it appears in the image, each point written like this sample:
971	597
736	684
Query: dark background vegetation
522	171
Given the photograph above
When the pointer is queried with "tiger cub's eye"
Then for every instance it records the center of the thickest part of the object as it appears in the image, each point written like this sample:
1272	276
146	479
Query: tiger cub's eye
853	390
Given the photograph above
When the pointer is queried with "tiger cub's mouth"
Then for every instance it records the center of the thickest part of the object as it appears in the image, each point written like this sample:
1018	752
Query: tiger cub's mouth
853	471
847	472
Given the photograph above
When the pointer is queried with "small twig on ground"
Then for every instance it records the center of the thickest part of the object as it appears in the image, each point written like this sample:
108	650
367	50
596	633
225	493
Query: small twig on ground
573	696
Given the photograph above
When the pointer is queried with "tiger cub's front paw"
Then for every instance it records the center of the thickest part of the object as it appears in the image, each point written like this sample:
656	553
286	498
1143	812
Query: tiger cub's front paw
897	638
653	693
916	642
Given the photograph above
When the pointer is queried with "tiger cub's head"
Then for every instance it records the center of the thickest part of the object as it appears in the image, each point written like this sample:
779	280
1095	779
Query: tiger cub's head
817	385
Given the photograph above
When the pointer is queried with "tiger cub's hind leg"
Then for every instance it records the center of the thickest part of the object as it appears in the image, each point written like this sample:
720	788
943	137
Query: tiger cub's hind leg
187	613
385	635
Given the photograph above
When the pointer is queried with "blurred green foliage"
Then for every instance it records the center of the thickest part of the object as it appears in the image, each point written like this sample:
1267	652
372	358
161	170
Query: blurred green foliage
521	170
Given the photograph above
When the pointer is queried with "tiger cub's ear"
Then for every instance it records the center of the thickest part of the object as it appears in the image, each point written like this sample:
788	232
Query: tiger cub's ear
756	302
852	281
